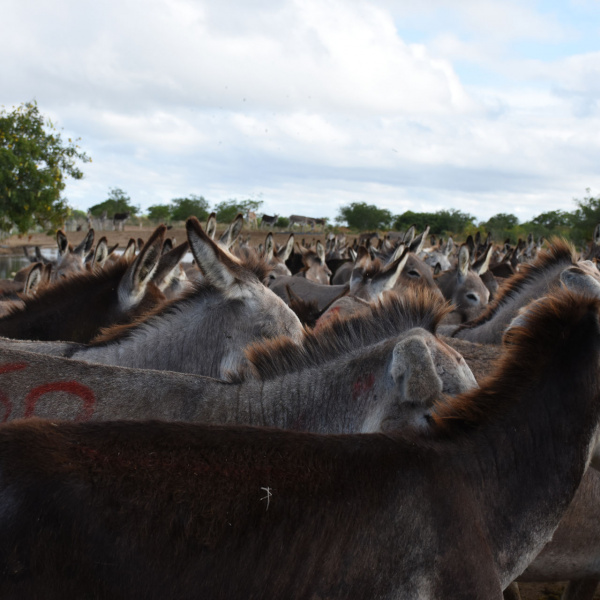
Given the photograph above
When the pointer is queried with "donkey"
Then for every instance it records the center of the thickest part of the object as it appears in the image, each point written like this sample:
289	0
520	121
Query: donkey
277	258
315	267
71	259
464	288
369	373
78	307
205	330
533	281
89	508
268	221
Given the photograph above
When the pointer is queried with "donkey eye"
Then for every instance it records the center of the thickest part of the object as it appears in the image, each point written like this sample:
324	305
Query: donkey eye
472	297
413	273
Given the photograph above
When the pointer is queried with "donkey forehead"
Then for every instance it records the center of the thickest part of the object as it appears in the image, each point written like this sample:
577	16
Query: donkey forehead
418	344
418	340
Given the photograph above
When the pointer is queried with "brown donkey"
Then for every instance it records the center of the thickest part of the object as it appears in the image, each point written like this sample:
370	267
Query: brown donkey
161	510
75	308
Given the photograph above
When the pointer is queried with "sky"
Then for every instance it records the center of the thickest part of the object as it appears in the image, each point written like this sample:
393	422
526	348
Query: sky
484	106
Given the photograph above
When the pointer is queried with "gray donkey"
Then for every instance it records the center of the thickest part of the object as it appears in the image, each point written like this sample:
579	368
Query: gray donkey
368	373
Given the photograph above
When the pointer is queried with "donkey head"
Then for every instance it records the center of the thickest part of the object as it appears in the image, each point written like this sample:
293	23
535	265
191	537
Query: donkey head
71	260
425	370
237	308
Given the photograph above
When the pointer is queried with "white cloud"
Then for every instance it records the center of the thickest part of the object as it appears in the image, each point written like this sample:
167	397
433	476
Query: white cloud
313	103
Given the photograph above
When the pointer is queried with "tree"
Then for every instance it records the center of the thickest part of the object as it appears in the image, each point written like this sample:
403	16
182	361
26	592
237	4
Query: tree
34	163
363	216
227	211
160	213
118	202
585	218
191	206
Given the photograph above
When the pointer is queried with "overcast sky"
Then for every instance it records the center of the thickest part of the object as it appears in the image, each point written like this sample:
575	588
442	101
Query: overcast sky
486	106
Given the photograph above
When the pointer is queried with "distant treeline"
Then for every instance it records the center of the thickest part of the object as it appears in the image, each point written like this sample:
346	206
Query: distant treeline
577	226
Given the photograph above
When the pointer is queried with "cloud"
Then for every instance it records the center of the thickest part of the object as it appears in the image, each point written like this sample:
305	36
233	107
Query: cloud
312	103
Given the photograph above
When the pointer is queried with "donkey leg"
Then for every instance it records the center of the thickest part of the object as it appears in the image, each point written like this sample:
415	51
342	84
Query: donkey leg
582	589
512	592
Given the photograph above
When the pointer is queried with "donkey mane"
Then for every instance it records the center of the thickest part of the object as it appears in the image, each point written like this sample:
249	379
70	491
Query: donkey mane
529	350
243	269
391	315
79	284
560	251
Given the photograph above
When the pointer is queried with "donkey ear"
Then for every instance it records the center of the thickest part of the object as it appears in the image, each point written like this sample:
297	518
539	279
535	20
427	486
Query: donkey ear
409	235
578	281
398	252
34	278
62	242
417	244
40	258
112	249
463	262
167	246
362	258
232	232
139	273
393	271
482	264
169	262
101	253
320	252
86	244
269	247
285	252
129	251
236	228
211	225
437	269
216	264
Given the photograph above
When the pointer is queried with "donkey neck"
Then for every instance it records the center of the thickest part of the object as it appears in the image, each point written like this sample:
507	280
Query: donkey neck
189	336
529	462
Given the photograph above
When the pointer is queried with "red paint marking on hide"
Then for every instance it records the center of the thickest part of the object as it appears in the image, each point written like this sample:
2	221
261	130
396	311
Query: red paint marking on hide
71	387
363	385
10	367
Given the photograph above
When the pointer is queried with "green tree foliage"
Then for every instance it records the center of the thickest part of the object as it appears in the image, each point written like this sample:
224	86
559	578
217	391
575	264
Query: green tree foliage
228	210
34	163
442	222
118	202
503	226
191	206
363	216
585	218
160	213
282	222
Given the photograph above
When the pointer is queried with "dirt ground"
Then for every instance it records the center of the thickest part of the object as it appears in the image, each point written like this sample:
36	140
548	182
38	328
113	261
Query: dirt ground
14	245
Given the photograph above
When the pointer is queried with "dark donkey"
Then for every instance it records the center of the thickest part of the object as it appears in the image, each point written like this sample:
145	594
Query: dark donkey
162	510
77	307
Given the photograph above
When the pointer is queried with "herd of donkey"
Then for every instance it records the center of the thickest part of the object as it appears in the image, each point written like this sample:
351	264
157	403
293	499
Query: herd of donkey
387	419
